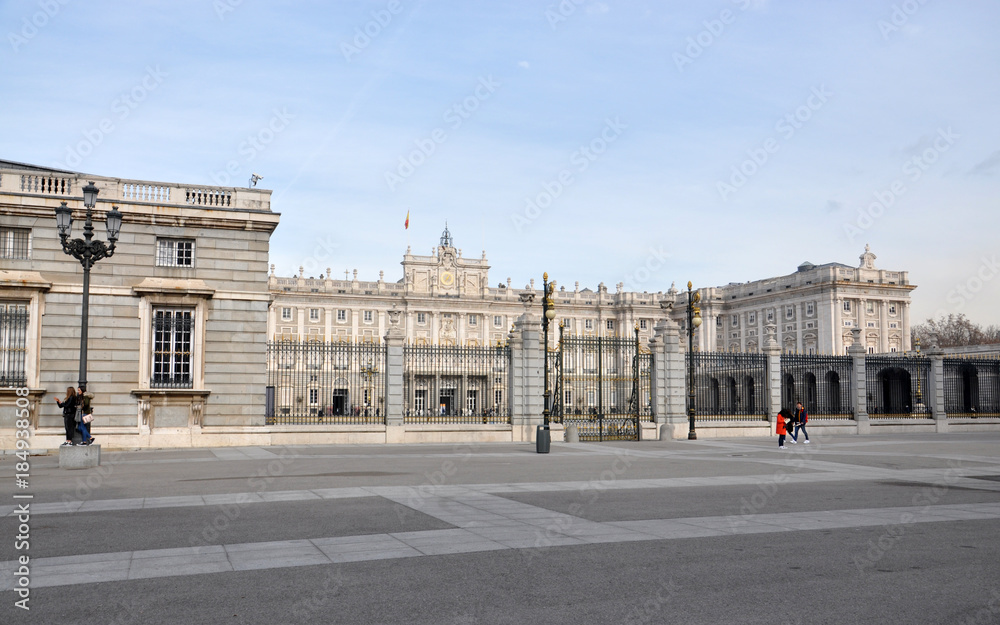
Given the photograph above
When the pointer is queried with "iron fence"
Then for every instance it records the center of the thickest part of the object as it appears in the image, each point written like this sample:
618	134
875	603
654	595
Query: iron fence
824	385
13	344
971	387
728	386
447	384
602	387
313	382
897	386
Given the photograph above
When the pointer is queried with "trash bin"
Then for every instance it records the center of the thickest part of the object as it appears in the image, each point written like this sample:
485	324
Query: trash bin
543	438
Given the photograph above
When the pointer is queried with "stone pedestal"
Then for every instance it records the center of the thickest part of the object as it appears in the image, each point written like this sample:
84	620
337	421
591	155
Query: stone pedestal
79	456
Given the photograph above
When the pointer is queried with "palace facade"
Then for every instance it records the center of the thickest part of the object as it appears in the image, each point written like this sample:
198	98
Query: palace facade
446	299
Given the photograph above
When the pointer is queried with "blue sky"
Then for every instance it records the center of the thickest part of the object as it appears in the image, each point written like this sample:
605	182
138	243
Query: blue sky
636	142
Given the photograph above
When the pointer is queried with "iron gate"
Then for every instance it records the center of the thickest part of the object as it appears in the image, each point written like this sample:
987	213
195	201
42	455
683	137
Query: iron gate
602	386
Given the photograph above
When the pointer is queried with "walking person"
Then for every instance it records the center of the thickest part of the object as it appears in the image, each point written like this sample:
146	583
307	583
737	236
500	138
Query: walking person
88	415
800	417
68	406
783	416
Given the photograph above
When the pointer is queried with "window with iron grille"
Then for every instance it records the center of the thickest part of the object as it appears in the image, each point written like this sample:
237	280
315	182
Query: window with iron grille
14	243
611	324
13	343
175	253
172	348
642	324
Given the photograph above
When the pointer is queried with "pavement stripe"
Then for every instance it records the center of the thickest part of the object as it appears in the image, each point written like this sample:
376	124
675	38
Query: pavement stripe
530	532
409	494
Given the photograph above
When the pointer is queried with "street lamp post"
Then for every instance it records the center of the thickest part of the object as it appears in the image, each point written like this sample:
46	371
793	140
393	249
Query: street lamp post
87	251
693	321
549	310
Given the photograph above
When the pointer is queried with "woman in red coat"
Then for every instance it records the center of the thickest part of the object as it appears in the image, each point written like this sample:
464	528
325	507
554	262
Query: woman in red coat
783	417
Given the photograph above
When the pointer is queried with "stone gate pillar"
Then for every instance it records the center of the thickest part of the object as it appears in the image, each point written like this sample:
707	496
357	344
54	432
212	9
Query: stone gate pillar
935	390
527	383
857	352
668	381
772	351
394	400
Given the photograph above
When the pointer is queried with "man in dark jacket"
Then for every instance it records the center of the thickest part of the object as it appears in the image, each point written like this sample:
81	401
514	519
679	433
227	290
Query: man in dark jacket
801	417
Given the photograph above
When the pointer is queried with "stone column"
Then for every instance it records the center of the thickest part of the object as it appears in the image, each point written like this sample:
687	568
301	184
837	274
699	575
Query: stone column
527	383
857	352
934	395
773	352
394	400
838	326
883	323
668	383
799	327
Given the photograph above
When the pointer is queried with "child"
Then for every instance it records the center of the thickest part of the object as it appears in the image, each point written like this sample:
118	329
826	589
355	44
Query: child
783	414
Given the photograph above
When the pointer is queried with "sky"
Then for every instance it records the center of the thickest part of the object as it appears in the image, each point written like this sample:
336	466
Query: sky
635	142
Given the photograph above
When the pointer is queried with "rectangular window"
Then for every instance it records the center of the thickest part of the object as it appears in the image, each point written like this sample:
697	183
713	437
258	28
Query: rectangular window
568	324
314	314
498	399
473	320
567	400
369	316
497	321
313	396
341	315
611	324
752	318
421	318
642	324
175	253
770	315
286	314
13	343
847	305
892	309
472	401
810	309
588	324
718	321
14	243
736	321
870	308
172	334
789	312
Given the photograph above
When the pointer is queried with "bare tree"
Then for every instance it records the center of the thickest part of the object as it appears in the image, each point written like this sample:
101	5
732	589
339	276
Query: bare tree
954	331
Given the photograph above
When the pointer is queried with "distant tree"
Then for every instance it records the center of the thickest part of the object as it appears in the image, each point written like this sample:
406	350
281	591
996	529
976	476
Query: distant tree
954	331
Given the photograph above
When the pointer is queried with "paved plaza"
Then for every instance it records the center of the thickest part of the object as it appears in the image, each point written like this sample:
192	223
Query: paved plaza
843	530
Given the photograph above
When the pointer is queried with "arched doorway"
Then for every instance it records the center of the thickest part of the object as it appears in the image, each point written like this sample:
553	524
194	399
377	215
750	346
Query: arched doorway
788	387
896	389
833	391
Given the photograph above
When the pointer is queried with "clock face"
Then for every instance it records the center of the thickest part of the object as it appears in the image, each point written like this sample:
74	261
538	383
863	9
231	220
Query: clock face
447	278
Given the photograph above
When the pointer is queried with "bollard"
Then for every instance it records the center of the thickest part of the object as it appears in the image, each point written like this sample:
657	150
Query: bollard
572	434
543	438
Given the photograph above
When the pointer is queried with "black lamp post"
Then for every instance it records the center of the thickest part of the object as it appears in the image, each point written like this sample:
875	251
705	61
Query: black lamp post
693	321
549	309
88	252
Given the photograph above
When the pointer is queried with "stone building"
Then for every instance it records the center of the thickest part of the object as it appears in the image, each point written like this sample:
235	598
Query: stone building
178	315
446	299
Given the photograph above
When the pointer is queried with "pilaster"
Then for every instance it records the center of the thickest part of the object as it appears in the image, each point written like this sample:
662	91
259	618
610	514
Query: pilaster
935	394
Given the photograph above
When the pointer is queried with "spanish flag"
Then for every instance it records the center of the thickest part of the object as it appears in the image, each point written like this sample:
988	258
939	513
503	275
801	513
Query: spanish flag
406	225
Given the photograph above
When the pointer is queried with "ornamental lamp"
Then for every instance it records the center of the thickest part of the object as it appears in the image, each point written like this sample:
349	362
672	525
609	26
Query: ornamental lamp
64	220
90	195
114	223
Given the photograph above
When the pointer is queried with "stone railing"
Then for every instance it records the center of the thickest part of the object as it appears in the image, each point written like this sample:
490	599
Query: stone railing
113	190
